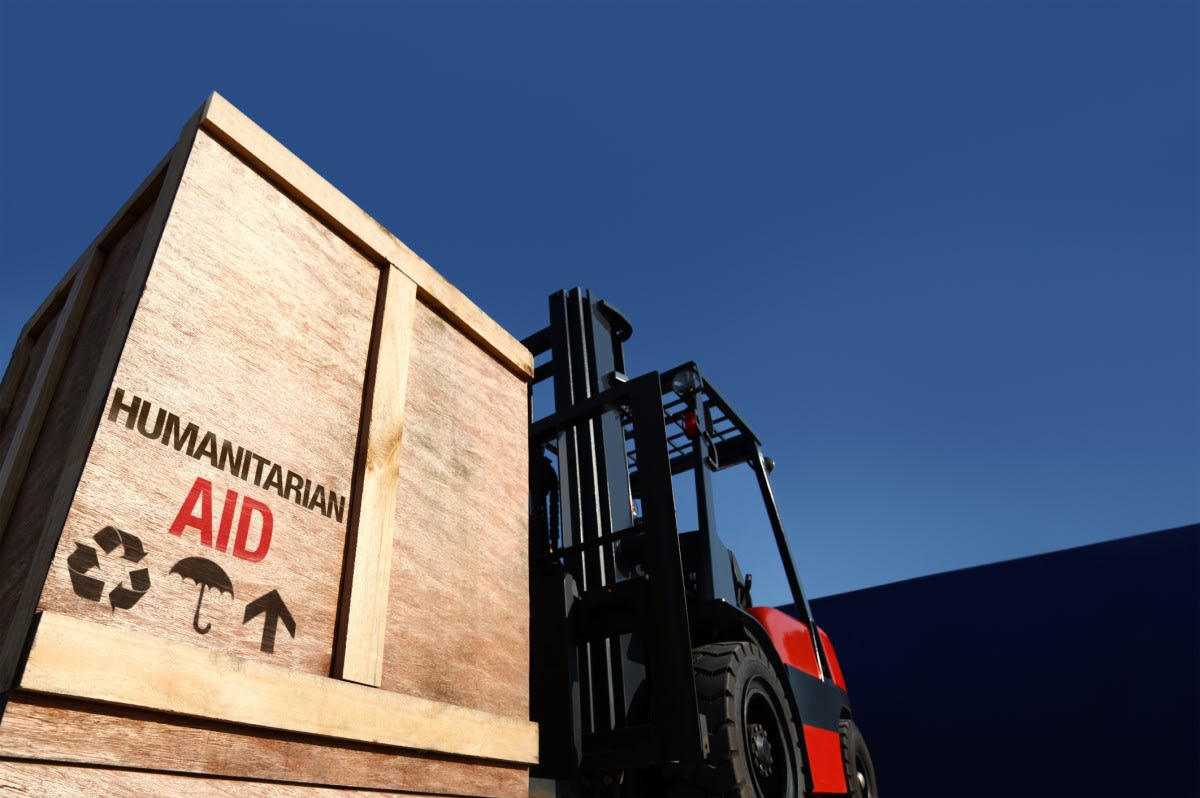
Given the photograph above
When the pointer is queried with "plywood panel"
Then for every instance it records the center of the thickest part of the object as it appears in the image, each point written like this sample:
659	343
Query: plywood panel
458	616
36	727
234	411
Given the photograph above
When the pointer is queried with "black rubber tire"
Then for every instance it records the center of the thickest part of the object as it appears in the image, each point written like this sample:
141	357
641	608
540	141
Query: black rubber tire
860	771
753	742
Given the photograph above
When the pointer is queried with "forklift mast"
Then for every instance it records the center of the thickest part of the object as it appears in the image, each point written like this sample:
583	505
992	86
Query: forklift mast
606	586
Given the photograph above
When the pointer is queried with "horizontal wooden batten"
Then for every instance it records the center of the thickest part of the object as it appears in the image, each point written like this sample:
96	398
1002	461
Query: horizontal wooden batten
84	736
258	148
80	659
52	780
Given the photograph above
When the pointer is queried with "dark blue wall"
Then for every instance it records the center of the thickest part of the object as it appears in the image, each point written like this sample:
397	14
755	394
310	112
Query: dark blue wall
1075	673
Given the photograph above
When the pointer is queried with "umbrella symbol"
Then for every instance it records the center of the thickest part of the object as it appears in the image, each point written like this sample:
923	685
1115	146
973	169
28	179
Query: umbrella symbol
207	574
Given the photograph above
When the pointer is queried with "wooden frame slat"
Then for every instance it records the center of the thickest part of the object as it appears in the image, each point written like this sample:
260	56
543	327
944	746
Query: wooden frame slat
370	552
80	659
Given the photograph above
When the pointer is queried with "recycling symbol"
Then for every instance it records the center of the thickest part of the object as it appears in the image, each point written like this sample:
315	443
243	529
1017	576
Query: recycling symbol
85	559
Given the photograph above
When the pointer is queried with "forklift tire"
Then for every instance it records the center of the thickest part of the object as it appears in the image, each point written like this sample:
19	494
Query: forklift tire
753	743
860	771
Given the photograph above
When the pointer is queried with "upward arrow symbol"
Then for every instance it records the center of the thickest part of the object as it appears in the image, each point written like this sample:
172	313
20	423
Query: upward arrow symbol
276	611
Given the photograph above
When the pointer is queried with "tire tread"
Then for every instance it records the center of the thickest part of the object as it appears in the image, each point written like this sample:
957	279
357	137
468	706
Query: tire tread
725	773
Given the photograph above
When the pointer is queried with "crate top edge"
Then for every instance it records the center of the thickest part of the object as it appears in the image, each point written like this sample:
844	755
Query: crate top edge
237	132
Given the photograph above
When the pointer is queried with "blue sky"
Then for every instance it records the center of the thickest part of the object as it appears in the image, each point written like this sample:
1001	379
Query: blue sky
942	255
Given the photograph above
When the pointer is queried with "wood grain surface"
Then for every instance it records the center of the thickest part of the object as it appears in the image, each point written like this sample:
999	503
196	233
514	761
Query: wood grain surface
370	552
458	621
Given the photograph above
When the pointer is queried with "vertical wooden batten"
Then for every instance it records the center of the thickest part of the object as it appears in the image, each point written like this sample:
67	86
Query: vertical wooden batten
369	554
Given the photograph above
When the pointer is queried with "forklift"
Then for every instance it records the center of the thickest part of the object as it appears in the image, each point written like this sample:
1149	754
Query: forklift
651	670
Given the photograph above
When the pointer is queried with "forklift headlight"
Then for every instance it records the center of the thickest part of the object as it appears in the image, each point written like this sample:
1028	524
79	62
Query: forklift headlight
686	382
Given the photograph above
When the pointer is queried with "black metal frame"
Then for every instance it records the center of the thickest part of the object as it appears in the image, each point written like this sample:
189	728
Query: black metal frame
723	439
607	583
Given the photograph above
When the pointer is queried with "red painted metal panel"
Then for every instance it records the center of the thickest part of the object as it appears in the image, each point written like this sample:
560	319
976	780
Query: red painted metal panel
835	669
791	638
825	759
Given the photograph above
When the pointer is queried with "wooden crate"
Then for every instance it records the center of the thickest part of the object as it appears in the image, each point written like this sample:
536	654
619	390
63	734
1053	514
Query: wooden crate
263	502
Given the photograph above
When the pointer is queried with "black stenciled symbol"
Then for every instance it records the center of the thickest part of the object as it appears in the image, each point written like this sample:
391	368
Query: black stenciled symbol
207	574
276	611
85	559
